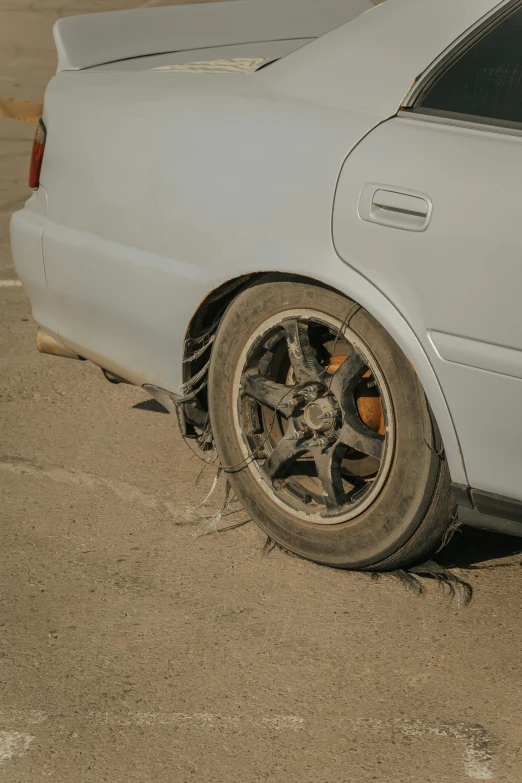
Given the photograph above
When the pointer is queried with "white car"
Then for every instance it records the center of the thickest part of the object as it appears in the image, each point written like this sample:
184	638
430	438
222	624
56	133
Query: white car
298	224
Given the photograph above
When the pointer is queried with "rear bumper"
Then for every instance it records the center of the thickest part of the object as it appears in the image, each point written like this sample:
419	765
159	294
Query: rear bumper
27	227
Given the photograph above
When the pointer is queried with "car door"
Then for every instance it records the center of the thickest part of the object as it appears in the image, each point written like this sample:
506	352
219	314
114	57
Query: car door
429	207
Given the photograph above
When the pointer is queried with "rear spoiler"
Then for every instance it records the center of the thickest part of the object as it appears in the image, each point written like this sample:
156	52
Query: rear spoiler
97	39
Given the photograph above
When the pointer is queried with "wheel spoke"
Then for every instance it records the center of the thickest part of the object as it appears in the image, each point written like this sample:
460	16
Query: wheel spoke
348	375
357	435
301	354
312	405
268	393
284	455
328	464
354	432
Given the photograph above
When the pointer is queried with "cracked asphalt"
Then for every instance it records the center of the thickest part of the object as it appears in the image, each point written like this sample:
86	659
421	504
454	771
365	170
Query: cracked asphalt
132	649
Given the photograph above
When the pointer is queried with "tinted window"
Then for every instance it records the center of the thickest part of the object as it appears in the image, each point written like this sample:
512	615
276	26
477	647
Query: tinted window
487	80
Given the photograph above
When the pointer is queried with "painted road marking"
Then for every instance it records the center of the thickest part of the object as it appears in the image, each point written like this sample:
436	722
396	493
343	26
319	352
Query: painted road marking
13	743
122	490
33	717
217	720
292	722
476	742
10	283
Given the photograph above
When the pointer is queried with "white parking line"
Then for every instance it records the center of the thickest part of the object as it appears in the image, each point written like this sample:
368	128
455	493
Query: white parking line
292	722
10	283
475	740
33	717
13	743
123	491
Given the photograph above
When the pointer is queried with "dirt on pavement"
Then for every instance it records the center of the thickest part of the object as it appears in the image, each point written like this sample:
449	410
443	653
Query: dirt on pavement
133	650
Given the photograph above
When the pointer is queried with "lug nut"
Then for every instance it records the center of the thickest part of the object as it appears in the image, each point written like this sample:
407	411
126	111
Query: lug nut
322	442
328	415
310	393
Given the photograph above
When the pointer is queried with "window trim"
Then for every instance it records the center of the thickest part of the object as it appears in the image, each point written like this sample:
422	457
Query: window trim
410	105
462	121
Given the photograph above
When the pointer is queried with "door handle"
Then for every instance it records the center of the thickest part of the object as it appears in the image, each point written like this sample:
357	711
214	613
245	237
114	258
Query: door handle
389	206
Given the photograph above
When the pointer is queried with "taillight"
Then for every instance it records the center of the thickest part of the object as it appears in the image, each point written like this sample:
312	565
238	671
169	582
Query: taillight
37	154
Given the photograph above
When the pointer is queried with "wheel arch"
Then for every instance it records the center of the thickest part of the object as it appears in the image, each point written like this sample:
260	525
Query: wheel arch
360	290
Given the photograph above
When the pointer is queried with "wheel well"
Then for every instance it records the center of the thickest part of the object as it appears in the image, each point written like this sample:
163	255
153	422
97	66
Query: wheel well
214	305
207	318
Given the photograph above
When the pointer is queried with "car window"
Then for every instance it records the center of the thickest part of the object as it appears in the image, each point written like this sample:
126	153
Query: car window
487	80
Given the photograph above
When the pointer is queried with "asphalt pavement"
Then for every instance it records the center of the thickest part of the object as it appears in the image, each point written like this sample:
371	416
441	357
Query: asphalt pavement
134	649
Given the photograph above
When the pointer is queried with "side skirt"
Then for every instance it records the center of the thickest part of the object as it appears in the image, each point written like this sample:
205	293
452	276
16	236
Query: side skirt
488	511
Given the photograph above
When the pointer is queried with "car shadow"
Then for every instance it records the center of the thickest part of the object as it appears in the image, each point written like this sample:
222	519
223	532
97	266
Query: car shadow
150	405
469	548
473	549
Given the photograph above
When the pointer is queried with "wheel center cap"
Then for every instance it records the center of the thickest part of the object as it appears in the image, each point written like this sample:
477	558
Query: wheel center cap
319	415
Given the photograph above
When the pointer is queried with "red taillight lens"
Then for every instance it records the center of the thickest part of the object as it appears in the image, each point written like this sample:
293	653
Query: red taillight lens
37	155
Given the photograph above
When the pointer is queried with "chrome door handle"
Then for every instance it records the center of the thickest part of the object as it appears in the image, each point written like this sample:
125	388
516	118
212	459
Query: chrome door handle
389	206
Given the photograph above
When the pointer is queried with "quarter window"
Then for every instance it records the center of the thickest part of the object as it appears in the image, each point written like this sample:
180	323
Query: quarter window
486	81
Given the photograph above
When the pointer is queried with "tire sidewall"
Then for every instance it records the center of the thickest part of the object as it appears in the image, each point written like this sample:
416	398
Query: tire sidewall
398	511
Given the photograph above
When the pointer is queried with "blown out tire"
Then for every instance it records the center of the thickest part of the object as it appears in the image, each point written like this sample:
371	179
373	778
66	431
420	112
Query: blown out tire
413	506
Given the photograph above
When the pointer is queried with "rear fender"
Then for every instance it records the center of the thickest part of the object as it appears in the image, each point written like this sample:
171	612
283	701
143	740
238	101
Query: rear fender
356	287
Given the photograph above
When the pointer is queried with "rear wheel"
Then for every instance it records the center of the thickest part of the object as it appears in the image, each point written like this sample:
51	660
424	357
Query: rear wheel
325	430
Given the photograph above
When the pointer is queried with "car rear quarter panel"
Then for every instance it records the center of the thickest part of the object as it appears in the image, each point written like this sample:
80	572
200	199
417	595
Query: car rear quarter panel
156	197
